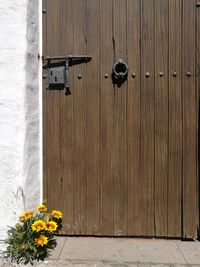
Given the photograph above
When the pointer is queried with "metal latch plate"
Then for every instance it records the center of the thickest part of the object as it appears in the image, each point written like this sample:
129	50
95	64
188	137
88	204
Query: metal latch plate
56	75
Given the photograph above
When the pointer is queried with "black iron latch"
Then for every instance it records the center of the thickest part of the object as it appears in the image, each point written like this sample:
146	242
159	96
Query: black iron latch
56	70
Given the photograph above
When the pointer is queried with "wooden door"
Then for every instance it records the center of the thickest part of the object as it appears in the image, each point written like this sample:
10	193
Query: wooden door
122	161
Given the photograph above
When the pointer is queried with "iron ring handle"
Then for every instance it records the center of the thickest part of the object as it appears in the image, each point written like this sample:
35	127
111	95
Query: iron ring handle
120	69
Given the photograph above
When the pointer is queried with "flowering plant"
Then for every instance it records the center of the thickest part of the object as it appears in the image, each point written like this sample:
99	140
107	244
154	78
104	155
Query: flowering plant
33	237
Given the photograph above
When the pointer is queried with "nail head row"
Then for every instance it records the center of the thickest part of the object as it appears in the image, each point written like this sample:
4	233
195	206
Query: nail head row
147	75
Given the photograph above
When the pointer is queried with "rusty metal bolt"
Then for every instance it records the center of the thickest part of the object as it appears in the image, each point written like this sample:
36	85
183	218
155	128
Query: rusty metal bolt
174	74
147	74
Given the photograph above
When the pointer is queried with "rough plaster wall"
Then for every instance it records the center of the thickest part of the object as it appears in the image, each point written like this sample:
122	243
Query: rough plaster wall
19	109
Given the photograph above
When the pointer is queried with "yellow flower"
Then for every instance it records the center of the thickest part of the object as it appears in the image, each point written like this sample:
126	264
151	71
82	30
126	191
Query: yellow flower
41	208
41	240
22	218
51	226
56	214
38	226
26	215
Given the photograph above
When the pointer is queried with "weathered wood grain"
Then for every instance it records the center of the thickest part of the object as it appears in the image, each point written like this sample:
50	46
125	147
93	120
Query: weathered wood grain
79	121
106	119
148	116
135	201
93	118
189	120
66	121
161	116
53	144
119	123
175	121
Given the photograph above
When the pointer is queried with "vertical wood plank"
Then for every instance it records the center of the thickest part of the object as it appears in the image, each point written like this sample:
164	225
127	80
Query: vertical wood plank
79	121
53	109
134	205
175	120
198	102
106	118
66	105
161	116
147	115
189	121
119	131
93	118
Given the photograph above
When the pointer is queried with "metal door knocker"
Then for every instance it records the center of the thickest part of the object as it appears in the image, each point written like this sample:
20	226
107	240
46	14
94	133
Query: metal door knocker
119	72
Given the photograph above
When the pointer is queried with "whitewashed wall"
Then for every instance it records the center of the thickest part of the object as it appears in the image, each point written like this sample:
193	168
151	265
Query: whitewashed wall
20	109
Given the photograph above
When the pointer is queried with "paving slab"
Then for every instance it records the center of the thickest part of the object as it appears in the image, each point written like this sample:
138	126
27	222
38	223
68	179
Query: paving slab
122	250
60	244
190	251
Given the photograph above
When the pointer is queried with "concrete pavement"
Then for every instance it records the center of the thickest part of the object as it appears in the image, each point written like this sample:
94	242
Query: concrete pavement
122	252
